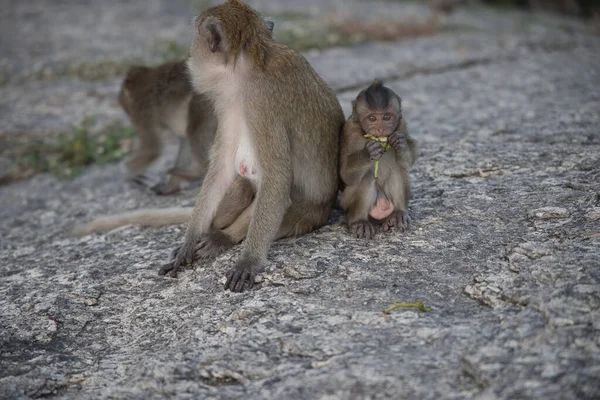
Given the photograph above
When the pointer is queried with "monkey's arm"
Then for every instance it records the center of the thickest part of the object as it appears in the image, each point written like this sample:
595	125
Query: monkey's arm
271	203
408	150
219	177
413	151
354	159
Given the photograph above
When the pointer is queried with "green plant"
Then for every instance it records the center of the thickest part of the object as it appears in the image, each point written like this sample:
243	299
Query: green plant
72	151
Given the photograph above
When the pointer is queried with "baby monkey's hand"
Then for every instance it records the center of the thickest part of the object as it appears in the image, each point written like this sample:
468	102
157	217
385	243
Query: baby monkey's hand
375	149
398	140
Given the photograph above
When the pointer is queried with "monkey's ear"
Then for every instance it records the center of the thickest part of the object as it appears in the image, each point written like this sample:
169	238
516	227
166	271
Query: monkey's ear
353	114
215	37
270	24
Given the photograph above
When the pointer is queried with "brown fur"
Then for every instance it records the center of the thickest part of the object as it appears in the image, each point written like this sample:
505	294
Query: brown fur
161	98
361	189
152	218
149	96
275	112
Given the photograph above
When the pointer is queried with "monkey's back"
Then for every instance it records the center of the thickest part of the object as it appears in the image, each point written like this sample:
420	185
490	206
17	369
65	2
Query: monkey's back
313	119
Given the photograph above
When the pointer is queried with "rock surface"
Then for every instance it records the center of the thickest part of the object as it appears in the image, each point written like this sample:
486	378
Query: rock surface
505	245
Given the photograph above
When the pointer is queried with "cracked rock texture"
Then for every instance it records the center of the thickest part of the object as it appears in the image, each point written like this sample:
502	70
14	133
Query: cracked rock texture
505	245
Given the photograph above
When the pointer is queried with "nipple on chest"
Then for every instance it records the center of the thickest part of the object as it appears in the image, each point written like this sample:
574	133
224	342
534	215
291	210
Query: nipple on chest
243	169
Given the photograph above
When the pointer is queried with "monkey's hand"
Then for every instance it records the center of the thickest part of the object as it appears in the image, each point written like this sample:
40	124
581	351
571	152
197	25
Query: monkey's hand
398	141
180	256
375	149
244	272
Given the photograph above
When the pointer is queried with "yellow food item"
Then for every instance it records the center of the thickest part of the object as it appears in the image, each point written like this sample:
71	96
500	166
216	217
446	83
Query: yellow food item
383	141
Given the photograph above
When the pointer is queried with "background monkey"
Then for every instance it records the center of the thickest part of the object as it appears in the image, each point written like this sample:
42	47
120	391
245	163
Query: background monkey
374	170
278	132
162	97
146	95
273	168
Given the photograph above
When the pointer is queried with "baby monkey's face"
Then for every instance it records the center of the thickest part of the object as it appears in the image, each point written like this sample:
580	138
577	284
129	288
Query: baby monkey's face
380	123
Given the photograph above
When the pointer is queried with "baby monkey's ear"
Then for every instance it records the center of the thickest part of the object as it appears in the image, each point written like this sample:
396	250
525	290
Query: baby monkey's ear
354	114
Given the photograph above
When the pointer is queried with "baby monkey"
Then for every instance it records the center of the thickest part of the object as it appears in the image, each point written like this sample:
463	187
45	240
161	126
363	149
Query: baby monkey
376	153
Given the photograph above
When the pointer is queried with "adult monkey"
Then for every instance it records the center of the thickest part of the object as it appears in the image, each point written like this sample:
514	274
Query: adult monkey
161	98
278	132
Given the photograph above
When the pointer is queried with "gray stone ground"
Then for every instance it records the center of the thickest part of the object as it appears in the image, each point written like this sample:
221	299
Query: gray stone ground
505	246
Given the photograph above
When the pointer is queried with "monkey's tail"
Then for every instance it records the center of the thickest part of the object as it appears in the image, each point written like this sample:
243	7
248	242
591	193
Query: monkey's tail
148	217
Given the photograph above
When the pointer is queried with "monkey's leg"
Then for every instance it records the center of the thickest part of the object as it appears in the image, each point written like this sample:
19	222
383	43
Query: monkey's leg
216	242
148	149
357	201
230	224
237	199
397	190
270	206
173	182
303	218
217	181
199	143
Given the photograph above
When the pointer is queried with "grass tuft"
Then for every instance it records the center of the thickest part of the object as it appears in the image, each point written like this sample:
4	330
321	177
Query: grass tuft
72	151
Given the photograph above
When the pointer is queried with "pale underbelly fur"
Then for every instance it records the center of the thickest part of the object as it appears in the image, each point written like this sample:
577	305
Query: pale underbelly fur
245	160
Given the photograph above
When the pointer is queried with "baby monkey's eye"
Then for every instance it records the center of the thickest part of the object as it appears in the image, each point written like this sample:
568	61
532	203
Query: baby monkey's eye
386	117
372	118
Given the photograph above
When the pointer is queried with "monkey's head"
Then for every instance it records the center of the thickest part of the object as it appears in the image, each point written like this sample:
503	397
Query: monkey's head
223	33
377	109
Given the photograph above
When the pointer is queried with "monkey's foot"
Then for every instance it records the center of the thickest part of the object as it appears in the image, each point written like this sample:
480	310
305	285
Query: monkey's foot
363	230
140	160
213	244
165	188
399	220
243	274
140	179
404	220
180	256
162	188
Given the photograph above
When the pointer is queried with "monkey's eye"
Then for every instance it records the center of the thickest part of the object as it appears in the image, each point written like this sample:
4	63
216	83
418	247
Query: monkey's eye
372	118
386	117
